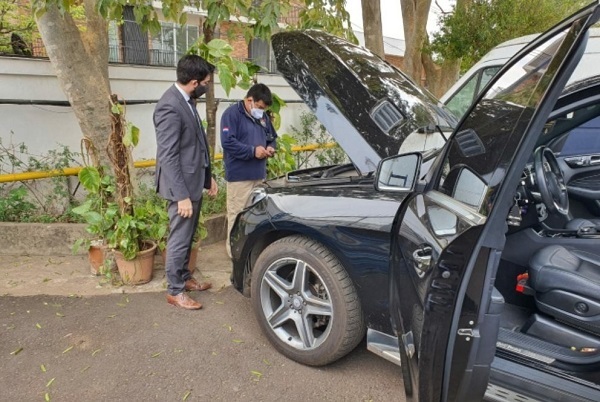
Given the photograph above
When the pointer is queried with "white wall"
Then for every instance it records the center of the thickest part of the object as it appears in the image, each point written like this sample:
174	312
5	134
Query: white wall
43	128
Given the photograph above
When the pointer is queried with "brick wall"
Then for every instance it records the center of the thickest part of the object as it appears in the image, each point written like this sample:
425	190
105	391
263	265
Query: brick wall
232	32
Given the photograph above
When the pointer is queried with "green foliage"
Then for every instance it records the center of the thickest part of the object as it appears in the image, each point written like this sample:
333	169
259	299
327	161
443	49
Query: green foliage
274	110
470	32
283	160
14	207
232	72
218	204
328	15
99	210
14	19
130	231
313	132
50	203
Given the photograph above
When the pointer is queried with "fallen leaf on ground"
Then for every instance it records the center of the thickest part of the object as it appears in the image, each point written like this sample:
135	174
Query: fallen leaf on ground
38	325
16	352
60	314
186	395
95	352
67	349
257	375
50	382
43	368
156	354
238	341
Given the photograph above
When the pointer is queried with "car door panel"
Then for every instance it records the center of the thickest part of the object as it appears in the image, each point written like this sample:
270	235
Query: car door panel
446	316
582	177
578	153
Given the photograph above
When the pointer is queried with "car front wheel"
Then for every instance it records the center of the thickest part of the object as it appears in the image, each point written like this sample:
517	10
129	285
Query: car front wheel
305	302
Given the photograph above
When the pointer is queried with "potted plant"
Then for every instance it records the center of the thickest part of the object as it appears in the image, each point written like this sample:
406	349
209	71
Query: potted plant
132	245
99	213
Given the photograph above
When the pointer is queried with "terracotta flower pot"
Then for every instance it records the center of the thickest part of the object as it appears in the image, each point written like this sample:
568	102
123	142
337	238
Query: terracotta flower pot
96	256
138	270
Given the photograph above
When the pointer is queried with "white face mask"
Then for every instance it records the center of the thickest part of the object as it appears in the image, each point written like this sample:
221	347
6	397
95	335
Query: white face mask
257	113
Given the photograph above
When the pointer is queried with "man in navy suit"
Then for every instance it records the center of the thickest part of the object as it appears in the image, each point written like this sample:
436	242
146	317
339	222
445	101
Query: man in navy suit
183	171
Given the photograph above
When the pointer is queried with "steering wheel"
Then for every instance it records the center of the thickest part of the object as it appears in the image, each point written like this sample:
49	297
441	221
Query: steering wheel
550	181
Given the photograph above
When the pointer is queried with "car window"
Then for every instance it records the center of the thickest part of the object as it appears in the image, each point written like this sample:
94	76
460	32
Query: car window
582	140
497	122
462	99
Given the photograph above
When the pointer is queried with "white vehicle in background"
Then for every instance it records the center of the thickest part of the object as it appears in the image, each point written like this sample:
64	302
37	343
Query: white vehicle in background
462	94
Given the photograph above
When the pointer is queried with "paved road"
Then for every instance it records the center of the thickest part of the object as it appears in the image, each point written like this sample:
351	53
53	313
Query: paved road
133	346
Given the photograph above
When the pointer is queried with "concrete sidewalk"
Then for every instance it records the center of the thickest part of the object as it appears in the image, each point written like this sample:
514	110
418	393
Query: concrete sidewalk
70	275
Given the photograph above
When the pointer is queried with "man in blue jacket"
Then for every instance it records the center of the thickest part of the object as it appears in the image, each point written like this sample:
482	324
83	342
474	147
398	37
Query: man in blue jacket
248	138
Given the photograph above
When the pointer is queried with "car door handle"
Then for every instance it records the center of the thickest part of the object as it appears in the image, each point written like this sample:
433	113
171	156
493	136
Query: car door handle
422	259
583	161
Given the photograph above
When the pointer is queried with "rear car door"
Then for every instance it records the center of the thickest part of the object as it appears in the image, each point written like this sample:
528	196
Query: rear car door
448	238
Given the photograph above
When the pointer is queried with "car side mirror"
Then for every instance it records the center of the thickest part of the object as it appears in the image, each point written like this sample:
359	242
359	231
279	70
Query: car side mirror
398	172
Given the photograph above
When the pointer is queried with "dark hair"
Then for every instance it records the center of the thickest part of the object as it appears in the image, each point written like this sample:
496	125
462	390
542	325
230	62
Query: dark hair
193	67
260	92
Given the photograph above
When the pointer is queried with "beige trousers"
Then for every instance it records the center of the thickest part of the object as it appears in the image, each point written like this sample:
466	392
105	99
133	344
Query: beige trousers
237	195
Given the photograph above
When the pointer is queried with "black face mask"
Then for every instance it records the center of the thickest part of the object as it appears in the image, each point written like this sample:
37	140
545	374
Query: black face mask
198	91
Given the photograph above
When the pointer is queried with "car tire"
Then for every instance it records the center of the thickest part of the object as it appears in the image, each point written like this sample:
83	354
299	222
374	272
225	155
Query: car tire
305	302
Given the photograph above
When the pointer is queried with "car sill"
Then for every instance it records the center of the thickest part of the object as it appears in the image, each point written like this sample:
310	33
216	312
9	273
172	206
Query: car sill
383	345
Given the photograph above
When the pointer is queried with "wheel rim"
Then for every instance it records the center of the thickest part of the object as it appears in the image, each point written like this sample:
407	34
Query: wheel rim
296	303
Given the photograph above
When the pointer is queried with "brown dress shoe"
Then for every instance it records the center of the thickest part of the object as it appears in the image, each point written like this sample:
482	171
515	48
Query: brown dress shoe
192	284
184	301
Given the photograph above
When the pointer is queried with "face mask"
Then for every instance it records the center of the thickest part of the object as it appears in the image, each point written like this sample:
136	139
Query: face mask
257	113
198	91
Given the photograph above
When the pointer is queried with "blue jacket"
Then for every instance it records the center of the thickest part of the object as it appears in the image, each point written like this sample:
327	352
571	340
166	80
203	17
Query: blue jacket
240	134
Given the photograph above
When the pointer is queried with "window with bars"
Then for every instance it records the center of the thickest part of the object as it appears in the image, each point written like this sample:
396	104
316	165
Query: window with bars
173	41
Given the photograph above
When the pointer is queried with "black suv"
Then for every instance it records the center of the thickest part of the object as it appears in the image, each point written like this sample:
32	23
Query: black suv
467	250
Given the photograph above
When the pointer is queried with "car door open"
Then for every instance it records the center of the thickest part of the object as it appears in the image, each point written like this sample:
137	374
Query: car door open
447	240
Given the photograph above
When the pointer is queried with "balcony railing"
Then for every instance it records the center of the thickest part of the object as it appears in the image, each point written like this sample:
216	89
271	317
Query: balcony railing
139	55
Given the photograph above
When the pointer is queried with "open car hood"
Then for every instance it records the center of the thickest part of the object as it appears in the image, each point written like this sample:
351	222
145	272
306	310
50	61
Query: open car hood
366	104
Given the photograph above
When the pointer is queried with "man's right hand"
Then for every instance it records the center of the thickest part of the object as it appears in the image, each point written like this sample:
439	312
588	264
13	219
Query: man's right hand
184	208
260	152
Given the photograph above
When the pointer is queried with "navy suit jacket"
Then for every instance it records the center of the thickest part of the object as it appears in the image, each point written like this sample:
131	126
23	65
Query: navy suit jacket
182	168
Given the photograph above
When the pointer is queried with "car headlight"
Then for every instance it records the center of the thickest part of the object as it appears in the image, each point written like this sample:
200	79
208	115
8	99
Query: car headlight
258	194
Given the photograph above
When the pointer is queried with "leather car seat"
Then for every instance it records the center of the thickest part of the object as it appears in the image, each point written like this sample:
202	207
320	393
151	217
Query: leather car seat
567	285
578	224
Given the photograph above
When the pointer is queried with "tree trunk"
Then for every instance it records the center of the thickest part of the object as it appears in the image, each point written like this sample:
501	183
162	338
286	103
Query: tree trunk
440	77
414	17
371	12
211	102
81	64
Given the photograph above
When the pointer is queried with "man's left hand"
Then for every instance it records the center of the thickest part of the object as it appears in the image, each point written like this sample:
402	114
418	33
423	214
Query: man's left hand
214	189
270	151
